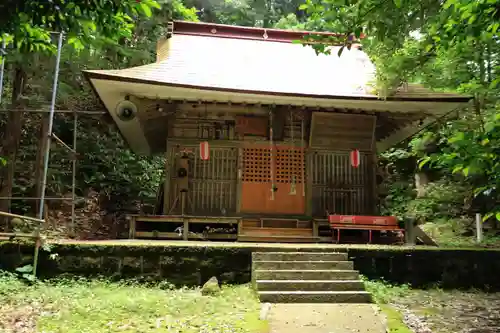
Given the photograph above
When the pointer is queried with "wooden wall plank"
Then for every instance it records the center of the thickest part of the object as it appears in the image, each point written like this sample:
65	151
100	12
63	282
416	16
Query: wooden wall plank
212	183
339	188
342	131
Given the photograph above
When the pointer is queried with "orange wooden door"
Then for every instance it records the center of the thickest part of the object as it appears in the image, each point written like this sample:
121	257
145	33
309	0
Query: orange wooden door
286	165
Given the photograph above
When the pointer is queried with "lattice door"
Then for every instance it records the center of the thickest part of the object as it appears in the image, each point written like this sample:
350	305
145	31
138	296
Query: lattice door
256	165
286	166
290	165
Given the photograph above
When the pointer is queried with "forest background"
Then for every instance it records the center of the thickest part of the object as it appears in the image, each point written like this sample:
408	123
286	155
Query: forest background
449	45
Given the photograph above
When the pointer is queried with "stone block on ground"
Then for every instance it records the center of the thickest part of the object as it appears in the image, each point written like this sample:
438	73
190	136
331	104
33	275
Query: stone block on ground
211	287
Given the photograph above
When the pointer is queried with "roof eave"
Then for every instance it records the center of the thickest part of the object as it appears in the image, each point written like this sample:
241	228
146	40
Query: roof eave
101	75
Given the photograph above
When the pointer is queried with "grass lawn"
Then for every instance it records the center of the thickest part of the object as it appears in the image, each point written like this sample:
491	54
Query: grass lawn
69	305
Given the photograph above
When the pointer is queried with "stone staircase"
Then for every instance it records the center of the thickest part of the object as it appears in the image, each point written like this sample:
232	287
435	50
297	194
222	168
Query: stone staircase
307	277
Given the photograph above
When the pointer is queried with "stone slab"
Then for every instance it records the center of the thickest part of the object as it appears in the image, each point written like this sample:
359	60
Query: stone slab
325	318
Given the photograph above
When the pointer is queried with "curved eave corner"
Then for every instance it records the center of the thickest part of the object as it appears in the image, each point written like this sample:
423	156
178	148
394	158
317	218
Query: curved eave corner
131	131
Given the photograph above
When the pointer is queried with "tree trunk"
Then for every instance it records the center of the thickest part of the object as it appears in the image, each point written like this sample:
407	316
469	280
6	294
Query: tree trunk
488	63
11	140
421	180
42	142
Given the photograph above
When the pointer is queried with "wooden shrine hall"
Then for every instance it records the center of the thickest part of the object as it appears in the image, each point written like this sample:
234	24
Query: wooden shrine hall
263	139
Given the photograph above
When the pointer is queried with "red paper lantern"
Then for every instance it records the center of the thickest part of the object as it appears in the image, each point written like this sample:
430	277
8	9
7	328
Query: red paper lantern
355	158
204	151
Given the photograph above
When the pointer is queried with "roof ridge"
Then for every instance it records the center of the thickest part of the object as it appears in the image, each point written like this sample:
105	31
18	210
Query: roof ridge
244	32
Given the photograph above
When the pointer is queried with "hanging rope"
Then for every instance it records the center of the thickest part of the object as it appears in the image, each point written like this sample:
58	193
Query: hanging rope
293	188
271	152
302	146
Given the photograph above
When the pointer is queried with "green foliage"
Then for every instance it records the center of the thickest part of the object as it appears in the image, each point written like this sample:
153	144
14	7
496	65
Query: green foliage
290	22
471	148
9	284
407	38
28	24
255	13
384	292
446	46
442	199
456	233
99	305
105	164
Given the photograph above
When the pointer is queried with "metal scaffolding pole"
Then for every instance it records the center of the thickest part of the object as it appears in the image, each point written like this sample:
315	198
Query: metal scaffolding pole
47	148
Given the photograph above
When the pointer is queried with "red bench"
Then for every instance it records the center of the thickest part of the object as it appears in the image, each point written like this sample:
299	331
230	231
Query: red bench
369	223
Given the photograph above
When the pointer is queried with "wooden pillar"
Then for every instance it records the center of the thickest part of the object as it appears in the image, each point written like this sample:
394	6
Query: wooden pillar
239	176
410	238
308	181
315	227
375	196
131	233
374	206
185	229
168	175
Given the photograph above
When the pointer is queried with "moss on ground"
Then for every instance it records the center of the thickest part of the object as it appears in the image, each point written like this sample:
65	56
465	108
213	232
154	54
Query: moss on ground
101	306
451	234
394	318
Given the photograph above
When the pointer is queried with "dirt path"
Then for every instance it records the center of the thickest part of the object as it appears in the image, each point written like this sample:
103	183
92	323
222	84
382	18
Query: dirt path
325	318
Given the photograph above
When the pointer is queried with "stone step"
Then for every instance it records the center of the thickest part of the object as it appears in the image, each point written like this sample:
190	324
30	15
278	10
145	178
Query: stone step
342	265
277	239
315	297
304	274
310	285
301	256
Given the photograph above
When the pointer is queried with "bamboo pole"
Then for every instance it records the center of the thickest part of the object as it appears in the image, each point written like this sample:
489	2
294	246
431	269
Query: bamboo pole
16	235
62	143
22	217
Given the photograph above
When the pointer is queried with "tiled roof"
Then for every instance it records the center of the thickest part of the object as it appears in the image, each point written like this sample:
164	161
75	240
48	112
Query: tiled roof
256	66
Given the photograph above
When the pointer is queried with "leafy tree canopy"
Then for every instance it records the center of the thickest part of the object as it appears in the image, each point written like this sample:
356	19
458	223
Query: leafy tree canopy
413	31
28	24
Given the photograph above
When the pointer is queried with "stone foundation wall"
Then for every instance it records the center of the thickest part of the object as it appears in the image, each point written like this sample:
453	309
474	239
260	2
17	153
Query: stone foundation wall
193	265
447	268
178	265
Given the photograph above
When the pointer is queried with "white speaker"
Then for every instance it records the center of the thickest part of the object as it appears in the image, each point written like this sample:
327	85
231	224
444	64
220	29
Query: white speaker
126	110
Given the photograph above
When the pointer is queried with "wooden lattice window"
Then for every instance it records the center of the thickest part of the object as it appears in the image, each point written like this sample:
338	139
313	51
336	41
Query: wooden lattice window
256	165
289	165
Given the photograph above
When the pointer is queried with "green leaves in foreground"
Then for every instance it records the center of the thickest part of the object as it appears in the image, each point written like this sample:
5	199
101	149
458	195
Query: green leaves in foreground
472	150
29	24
